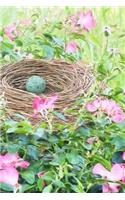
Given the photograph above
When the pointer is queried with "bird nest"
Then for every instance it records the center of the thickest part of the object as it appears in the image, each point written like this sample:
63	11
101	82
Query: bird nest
67	80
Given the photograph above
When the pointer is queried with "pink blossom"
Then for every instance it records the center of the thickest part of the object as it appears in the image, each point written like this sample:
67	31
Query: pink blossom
117	173
107	106
74	19
91	140
118	117
110	188
43	104
86	21
8	164
71	47
99	169
9	31
40	174
22	163
9	175
113	110
82	20
12	160
123	155
25	22
93	105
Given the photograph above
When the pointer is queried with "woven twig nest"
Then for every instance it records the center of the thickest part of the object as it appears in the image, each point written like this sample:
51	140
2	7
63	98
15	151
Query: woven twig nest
67	80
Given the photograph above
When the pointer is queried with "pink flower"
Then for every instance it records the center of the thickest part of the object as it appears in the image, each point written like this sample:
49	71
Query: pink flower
99	169
40	174
9	31
74	19
12	160
91	140
86	21
117	173
8	164
118	117
123	155
25	22
82	20
71	47
9	175
110	188
43	104
109	107
93	106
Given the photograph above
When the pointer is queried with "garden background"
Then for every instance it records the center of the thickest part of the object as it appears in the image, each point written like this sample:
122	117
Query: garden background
87	156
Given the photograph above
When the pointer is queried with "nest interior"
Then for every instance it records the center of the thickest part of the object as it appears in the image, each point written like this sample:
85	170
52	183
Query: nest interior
67	80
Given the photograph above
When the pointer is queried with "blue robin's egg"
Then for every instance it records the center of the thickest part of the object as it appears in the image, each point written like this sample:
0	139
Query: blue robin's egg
36	84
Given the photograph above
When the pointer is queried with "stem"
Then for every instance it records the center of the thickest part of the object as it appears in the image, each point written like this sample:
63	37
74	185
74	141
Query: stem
105	48
49	121
6	137
65	39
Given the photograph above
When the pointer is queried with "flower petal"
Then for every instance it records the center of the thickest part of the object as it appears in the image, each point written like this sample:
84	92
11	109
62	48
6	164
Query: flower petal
123	155
100	170
110	188
9	175
116	173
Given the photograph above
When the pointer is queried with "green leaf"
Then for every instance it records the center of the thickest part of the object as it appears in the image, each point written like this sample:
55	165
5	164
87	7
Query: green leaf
95	189
6	187
40	184
10	123
7	44
19	42
29	176
58	41
77	36
59	184
119	142
33	151
40	133
11	130
60	115
48	51
24	127
49	176
77	188
84	131
47	189
48	36
19	116
13	148
74	158
103	161
25	187
59	159
118	81
117	157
